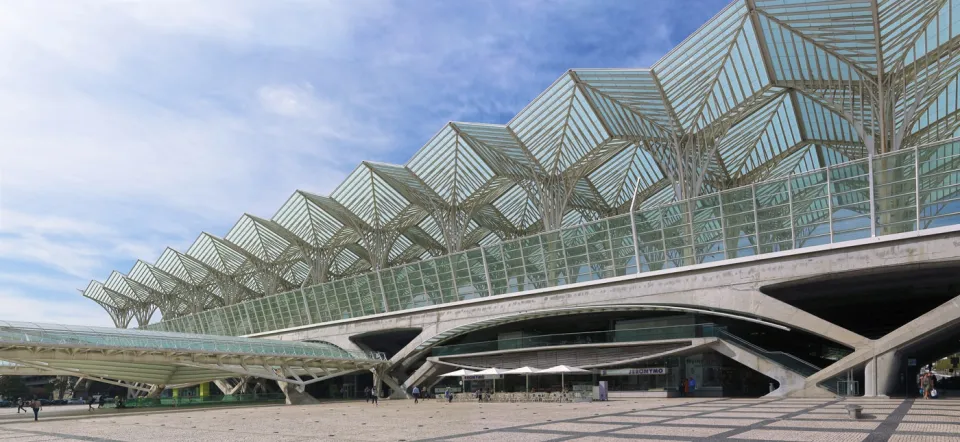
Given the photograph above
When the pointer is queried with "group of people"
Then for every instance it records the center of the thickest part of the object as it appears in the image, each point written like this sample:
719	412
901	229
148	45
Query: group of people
35	405
686	386
370	394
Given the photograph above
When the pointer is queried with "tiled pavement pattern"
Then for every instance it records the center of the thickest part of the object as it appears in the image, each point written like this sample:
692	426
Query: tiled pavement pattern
649	419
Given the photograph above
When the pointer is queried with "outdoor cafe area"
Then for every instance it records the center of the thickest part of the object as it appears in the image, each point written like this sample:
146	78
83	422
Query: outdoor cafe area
655	378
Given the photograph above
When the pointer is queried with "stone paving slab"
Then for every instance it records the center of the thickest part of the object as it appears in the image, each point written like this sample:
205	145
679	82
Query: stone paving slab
818	424
671	430
807	436
676	419
745	413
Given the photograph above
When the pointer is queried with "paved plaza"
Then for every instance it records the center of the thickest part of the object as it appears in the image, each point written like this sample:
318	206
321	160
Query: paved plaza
397	420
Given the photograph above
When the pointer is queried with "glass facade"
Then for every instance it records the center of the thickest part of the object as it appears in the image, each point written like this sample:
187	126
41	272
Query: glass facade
913	190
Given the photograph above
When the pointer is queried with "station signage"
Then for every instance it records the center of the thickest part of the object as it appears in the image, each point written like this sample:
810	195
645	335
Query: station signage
634	371
482	377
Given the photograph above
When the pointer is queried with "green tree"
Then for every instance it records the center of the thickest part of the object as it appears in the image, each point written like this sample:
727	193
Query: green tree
12	387
60	384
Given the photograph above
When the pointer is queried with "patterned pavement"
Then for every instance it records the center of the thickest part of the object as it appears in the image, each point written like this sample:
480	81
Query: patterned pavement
687	419
751	419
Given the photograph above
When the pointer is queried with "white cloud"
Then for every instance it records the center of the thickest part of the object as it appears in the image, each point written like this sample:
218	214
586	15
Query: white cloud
75	310
128	126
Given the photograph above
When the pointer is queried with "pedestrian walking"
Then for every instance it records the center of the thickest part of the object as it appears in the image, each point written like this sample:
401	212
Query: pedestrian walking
449	395
374	396
103	400
366	394
21	405
927	385
36	406
416	394
682	387
693	386
90	403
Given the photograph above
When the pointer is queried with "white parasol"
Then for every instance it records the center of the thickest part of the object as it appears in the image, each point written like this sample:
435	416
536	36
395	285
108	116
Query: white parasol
564	370
526	371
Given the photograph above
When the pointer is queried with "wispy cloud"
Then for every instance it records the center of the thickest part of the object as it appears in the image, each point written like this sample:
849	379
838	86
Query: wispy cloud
129	126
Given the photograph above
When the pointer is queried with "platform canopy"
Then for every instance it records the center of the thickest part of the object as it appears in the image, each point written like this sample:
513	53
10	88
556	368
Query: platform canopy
135	357
765	89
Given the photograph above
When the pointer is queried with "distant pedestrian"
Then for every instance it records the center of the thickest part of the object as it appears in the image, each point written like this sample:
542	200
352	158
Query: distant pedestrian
366	394
682	387
90	403
36	406
693	386
416	394
927	384
374	396
21	404
103	400
449	395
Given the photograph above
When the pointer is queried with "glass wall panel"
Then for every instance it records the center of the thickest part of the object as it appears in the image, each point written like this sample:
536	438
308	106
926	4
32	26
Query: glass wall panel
650	239
894	192
740	223
774	216
811	209
496	269
940	185
708	235
850	201
621	238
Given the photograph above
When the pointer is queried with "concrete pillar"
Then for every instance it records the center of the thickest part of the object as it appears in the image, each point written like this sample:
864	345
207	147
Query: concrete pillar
295	396
870	378
887	374
398	391
155	390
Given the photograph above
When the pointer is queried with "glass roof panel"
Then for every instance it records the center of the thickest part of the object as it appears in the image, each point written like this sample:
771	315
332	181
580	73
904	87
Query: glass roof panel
635	89
211	251
617	178
258	239
306	219
845	27
370	198
689	73
123	339
450	167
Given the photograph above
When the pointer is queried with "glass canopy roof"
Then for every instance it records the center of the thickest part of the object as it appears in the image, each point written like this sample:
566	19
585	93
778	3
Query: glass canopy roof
766	88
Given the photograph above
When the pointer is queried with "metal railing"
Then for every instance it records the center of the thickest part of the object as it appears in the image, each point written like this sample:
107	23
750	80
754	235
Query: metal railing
908	190
686	331
786	360
184	401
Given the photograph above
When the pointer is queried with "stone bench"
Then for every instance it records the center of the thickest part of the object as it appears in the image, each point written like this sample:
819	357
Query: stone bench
854	411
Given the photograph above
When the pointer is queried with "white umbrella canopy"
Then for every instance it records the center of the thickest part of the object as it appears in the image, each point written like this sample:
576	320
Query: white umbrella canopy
458	374
563	370
526	371
492	371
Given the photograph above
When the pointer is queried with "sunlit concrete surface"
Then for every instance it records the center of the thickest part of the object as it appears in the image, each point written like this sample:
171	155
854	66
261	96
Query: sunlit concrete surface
402	420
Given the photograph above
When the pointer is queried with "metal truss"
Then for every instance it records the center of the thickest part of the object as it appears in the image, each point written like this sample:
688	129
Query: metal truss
130	358
765	89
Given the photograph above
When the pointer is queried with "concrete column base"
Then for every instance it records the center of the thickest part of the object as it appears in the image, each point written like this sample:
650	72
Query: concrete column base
155	390
295	396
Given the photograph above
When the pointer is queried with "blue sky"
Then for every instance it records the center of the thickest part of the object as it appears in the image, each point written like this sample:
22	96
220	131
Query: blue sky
126	127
